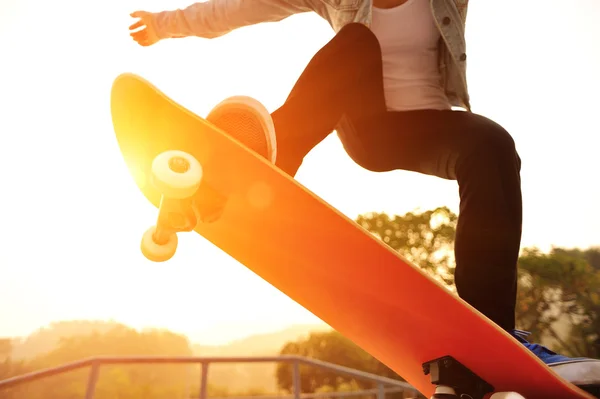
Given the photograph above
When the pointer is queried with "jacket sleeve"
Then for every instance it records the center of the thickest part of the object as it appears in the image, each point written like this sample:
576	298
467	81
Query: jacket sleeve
215	18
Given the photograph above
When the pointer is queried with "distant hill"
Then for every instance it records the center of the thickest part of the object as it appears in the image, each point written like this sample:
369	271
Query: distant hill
267	344
238	377
47	338
235	378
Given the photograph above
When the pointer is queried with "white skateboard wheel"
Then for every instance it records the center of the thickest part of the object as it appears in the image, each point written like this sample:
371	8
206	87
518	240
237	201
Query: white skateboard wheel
176	174
158	252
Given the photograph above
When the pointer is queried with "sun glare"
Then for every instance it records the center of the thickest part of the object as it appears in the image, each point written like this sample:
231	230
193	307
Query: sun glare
72	234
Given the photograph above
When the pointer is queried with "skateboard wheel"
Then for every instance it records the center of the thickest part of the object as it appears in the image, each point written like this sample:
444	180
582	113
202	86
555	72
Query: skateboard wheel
176	174
158	252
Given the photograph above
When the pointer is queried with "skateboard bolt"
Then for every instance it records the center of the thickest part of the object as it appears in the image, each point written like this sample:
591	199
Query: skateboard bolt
179	164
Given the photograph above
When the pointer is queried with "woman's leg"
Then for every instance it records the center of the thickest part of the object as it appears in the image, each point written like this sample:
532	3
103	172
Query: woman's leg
481	156
344	77
344	82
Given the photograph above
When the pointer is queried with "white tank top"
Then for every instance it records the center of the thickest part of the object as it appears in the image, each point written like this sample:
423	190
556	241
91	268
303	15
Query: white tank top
409	39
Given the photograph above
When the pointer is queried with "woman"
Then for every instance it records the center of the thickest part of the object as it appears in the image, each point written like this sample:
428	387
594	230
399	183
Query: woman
387	82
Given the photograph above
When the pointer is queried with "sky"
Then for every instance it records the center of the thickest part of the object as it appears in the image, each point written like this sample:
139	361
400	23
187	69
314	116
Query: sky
71	218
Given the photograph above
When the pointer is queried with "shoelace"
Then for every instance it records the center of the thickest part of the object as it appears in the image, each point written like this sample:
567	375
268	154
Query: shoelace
535	348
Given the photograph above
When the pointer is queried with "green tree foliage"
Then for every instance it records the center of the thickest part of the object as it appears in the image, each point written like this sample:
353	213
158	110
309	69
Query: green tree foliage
426	238
118	381
559	298
332	347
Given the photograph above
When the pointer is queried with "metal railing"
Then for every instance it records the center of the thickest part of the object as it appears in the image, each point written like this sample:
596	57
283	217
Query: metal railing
384	385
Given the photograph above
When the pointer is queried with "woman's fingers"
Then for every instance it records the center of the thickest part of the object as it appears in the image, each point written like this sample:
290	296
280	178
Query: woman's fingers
139	14
137	24
139	35
144	36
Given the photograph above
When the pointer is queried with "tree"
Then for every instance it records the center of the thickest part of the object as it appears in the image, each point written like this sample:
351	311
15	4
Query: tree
559	299
332	347
5	348
47	338
9	367
77	340
119	381
558	294
426	238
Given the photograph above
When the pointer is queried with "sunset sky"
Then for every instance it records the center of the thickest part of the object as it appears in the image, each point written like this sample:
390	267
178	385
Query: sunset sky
71	218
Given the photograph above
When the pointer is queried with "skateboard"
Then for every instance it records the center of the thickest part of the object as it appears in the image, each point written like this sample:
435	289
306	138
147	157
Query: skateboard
202	180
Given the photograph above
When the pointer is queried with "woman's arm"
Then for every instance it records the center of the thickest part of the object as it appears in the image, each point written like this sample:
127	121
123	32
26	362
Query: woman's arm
215	18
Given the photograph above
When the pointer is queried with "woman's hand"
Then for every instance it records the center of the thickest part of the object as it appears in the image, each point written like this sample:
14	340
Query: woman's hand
147	35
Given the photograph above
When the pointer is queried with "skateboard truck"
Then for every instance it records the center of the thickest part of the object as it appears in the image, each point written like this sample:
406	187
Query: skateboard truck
455	381
177	176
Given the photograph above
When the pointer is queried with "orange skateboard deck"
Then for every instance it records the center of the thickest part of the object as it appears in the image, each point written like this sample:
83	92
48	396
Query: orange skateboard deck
317	256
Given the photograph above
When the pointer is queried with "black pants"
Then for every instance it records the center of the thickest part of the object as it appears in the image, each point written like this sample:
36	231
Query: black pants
344	82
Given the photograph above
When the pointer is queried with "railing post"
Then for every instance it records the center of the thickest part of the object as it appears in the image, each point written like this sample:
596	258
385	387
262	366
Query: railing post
296	379
92	380
380	391
203	379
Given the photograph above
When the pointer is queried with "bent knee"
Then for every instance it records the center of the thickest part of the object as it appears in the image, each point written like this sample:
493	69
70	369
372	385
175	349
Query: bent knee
493	143
355	28
360	36
491	138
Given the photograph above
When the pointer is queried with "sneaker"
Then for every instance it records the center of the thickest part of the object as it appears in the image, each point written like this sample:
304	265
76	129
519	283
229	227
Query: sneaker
248	121
580	371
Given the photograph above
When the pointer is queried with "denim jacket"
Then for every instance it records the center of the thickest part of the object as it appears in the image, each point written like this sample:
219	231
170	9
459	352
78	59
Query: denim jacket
215	18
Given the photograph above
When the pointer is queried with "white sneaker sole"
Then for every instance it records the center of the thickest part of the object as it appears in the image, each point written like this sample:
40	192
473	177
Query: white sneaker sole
582	372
